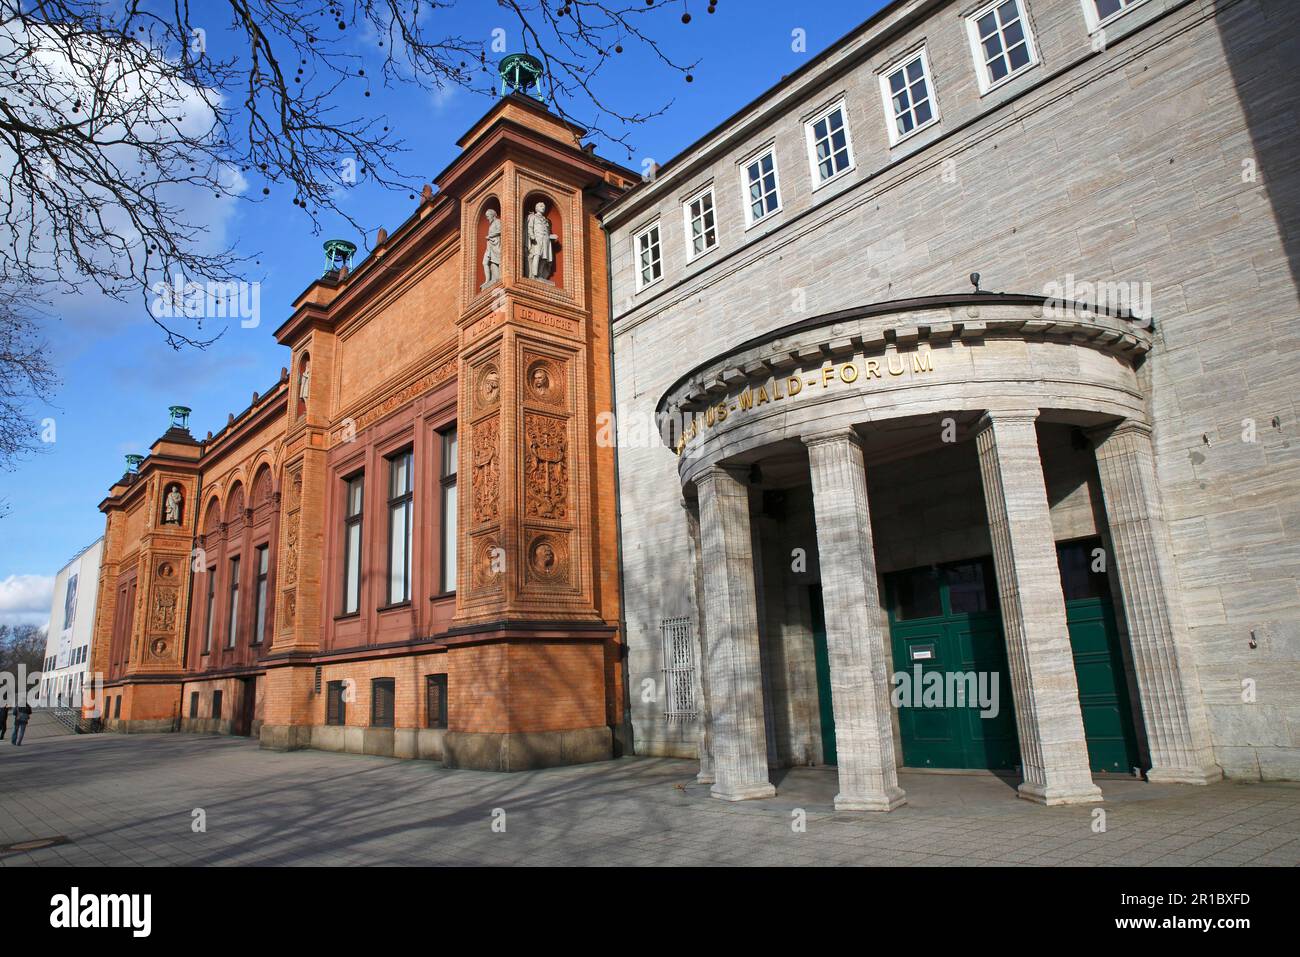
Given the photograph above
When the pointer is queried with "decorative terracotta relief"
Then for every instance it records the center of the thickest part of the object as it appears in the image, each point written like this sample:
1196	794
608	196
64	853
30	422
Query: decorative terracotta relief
291	552
488	564
548	558
164	608
545	381
288	608
295	490
158	648
487	386
546	469
486	480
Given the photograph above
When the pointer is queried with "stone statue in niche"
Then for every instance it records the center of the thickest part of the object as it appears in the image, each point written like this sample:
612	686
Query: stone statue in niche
539	244
492	253
304	381
172	504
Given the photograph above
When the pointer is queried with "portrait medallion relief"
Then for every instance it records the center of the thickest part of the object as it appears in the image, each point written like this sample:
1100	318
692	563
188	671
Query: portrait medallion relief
158	648
544	381
548	558
488	565
487	386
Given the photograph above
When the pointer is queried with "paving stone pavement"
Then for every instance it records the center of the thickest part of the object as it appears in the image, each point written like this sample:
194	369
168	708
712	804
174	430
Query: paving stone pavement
123	800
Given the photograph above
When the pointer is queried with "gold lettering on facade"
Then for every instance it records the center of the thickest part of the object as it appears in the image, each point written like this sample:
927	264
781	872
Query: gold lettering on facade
751	397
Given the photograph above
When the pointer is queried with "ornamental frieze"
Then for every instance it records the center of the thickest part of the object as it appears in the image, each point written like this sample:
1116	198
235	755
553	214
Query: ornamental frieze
354	424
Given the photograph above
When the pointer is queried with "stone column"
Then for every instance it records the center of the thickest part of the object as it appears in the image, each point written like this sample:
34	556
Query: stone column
1053	748
734	672
855	636
705	775
1177	733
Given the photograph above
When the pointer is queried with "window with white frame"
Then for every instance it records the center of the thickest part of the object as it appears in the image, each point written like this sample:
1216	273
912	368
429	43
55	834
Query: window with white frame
1001	41
909	97
1098	13
649	259
829	151
762	196
701	224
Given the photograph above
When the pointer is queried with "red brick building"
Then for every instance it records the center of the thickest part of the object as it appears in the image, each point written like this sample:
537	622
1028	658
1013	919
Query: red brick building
407	544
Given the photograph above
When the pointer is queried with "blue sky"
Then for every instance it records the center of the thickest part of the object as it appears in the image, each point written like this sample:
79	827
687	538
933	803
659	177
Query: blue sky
118	374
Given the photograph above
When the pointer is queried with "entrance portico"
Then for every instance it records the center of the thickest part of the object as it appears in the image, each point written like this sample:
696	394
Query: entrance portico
840	412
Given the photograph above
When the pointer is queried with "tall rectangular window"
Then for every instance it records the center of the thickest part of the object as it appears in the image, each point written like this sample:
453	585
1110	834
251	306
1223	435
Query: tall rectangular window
209	615
194	704
216	704
649	261
1001	42
450	452
908	97
701	224
829	149
381	703
400	501
263	571
353	493
232	636
336	706
435	701
762	197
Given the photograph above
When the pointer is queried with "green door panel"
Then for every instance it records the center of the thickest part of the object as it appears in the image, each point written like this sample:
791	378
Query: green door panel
1103	692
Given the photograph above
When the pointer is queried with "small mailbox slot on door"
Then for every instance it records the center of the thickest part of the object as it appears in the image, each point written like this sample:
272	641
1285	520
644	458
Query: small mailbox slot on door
921	652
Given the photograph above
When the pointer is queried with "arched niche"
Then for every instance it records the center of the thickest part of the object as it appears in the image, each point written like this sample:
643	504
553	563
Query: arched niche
173	504
488	231
302	382
536	241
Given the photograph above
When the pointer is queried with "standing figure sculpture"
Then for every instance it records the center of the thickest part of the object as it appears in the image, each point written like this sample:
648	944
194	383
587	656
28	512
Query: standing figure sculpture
540	244
492	254
172	506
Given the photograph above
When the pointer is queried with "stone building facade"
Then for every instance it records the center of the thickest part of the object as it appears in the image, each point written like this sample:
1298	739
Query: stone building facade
406	546
848	476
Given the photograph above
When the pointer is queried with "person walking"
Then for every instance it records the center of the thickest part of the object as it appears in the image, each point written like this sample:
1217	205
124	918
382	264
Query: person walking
22	714
4	720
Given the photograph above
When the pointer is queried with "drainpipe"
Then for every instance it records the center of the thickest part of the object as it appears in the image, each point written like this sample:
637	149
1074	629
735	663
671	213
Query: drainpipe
618	492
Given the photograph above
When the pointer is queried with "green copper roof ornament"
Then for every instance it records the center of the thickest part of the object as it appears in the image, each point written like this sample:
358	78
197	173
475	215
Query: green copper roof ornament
180	416
133	463
338	255
522	73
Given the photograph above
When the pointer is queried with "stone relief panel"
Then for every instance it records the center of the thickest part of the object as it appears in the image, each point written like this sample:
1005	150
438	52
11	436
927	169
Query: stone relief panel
546	466
485	480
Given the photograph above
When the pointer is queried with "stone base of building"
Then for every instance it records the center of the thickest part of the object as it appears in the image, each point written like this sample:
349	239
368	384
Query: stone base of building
526	750
285	737
140	725
1053	797
207	726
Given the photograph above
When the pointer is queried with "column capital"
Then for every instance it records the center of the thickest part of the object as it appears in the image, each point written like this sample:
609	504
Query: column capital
1098	434
710	473
849	435
990	417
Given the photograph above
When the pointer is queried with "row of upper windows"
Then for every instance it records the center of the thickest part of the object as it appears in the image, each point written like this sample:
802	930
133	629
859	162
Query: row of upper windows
1002	45
78	656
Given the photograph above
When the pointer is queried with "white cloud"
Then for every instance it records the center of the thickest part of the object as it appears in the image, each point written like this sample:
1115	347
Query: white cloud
26	599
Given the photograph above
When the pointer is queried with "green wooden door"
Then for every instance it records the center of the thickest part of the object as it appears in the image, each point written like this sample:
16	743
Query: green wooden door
944	621
1098	660
825	707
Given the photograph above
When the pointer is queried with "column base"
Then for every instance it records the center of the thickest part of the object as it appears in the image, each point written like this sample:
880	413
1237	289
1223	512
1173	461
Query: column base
885	800
747	793
705	777
1200	776
1054	796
